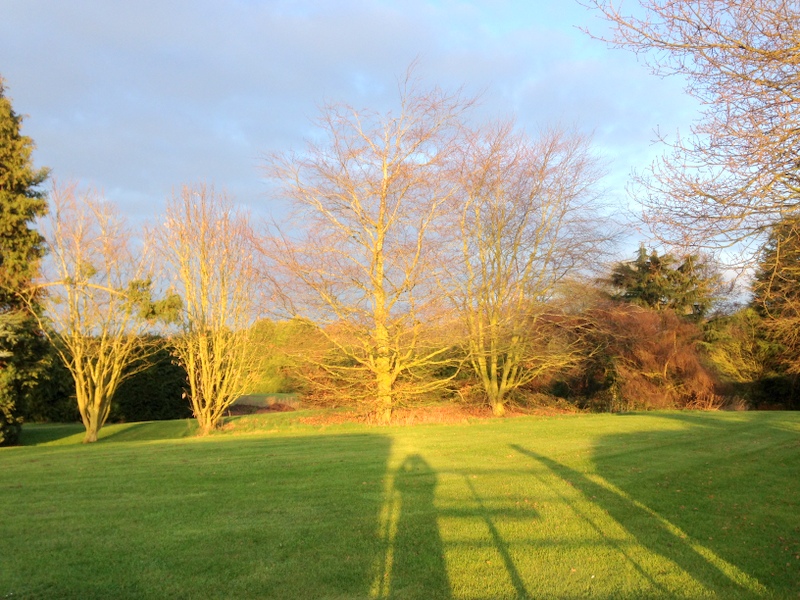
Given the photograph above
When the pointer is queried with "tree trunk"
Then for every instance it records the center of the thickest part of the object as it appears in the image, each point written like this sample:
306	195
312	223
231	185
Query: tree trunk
88	415
498	408
383	380
92	424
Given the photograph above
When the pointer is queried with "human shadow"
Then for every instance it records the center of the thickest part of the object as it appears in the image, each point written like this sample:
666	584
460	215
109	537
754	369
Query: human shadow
652	531
418	568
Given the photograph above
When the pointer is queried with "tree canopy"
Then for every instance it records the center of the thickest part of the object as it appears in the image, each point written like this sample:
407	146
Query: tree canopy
664	282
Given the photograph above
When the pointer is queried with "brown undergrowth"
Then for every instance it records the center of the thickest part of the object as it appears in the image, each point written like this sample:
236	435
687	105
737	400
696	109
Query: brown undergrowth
438	414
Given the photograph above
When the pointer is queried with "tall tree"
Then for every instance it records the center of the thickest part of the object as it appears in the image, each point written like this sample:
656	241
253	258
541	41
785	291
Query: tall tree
21	248
207	243
355	258
526	216
737	174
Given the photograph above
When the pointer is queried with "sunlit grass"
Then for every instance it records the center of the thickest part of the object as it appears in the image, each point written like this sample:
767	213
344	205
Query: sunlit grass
637	506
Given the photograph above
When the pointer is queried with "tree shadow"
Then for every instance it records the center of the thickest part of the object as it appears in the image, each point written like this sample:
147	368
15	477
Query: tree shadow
681	496
488	518
42	434
37	434
413	564
148	431
738	473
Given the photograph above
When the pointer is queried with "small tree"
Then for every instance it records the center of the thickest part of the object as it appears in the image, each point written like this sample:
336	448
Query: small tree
356	257
21	248
207	244
739	347
526	216
97	301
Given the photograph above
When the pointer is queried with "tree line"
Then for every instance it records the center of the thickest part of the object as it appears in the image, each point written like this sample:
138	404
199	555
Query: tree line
425	255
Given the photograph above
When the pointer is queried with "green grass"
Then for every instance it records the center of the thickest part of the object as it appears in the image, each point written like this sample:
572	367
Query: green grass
658	505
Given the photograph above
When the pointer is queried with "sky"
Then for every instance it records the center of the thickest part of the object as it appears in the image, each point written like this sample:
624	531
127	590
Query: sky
137	98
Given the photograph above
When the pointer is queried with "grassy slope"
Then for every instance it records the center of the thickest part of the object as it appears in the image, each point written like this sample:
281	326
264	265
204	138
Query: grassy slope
636	506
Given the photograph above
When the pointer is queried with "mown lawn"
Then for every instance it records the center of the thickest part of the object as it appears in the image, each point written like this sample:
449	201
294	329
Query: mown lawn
657	505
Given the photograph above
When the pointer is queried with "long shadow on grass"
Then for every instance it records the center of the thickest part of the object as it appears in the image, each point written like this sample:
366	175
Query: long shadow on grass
413	563
650	529
45	433
417	566
729	481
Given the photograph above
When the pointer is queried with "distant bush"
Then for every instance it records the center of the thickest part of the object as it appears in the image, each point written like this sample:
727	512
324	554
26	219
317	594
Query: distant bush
52	399
640	358
153	394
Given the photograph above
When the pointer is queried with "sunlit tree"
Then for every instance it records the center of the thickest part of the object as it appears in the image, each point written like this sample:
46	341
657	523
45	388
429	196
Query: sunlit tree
207	244
354	256
776	289
97	298
526	214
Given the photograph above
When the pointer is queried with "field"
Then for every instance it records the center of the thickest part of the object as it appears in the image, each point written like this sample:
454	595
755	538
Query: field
656	505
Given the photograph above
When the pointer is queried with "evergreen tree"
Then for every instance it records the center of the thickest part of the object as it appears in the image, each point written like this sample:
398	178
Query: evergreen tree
21	248
663	282
776	289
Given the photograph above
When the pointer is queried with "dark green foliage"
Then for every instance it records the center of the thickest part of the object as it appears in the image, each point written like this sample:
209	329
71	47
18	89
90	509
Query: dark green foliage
21	349
776	290
21	248
154	393
742	350
52	399
663	282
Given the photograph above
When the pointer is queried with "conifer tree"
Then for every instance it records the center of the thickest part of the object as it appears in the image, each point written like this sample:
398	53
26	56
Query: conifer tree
663	282
21	248
776	293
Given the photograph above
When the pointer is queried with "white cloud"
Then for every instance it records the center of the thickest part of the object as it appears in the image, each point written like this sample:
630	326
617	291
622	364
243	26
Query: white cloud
140	97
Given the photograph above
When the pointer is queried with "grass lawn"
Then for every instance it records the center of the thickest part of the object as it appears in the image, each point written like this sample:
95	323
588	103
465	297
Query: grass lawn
656	505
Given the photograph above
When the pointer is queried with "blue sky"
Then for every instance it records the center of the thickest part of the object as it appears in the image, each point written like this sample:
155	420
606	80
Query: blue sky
138	98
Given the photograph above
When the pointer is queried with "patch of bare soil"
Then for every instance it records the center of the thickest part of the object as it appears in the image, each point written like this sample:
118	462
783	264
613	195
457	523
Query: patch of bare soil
245	409
443	414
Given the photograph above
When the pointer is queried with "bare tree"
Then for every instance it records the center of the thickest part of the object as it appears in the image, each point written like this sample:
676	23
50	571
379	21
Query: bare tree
207	244
527	219
96	298
738	172
355	258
